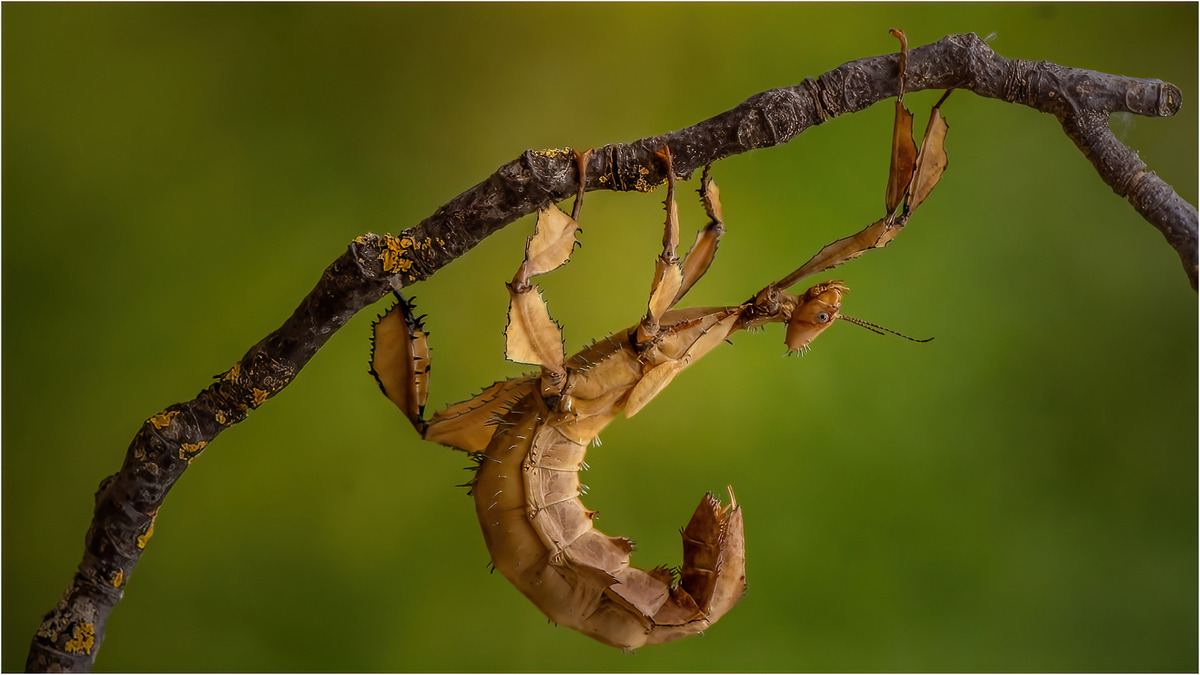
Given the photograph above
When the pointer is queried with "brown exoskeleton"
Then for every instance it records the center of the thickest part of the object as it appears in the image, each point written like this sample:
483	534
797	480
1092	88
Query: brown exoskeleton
530	433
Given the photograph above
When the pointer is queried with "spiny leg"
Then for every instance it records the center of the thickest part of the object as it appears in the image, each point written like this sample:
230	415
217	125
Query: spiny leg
553	239
531	335
704	249
400	350
904	150
581	160
914	173
926	171
912	176
400	365
664	288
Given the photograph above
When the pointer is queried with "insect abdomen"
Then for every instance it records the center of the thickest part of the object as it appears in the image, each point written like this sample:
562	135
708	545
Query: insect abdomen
541	538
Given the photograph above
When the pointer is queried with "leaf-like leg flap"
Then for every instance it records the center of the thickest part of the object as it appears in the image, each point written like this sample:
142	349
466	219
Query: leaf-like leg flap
531	335
875	235
931	161
400	360
904	157
470	425
667	281
904	149
654	381
704	249
658	377
549	246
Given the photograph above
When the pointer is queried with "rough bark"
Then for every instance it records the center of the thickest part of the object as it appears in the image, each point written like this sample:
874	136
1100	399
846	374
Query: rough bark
127	502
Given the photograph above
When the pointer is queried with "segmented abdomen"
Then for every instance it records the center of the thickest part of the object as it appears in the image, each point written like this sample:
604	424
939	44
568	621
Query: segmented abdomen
533	541
541	539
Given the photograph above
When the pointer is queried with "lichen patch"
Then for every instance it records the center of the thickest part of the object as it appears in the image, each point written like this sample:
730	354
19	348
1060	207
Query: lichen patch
83	637
162	419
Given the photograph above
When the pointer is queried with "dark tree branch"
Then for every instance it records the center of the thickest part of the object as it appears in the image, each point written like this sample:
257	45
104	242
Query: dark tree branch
127	502
1080	99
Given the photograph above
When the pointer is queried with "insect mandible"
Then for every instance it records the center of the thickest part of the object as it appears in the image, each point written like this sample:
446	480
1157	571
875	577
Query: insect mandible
530	433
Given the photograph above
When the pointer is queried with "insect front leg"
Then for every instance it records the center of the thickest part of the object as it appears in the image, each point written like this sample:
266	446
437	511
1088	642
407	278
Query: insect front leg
921	177
912	176
531	335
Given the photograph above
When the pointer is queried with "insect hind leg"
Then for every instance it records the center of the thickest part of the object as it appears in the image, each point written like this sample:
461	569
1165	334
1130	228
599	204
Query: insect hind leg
400	360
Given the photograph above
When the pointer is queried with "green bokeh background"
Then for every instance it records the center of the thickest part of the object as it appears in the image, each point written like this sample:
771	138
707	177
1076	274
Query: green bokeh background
1020	494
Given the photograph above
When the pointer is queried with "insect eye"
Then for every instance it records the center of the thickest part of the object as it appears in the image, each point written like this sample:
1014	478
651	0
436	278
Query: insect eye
823	317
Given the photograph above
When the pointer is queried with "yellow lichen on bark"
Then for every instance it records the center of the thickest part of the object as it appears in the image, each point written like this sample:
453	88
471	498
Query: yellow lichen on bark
162	419
555	153
82	639
394	255
644	185
145	536
233	374
190	451
118	579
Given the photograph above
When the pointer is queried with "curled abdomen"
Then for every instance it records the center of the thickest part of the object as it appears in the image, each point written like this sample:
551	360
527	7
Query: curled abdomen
541	538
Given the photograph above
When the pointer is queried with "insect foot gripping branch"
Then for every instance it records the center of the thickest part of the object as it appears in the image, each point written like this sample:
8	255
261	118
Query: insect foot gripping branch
530	433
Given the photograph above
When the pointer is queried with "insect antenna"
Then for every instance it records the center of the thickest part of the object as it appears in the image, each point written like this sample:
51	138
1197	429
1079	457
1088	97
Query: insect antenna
880	330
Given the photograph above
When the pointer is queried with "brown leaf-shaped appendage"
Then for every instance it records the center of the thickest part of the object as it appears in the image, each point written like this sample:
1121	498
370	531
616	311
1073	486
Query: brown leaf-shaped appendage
550	245
704	249
531	335
465	425
904	150
658	377
904	157
831	255
400	360
665	287
655	380
931	162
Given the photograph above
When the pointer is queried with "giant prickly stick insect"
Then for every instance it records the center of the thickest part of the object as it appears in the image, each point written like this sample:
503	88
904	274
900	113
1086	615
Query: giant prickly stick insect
530	433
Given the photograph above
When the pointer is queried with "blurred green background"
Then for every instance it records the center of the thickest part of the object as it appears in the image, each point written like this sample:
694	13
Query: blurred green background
1020	494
